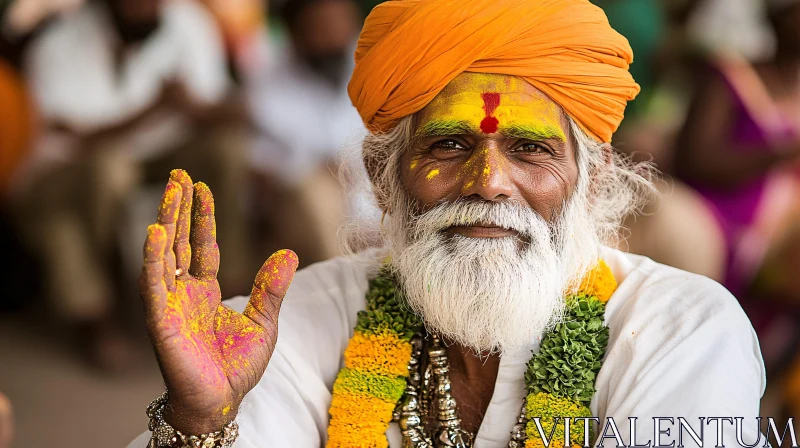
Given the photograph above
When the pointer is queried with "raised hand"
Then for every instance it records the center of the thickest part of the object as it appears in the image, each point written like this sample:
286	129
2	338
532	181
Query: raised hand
210	356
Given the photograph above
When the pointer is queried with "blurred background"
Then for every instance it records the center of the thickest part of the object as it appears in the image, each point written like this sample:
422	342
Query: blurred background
100	99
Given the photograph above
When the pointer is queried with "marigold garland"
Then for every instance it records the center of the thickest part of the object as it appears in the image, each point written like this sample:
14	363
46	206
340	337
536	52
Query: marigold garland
368	388
547	408
599	282
382	353
559	378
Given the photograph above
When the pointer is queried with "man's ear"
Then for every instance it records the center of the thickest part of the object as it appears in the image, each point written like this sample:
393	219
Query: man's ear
376	164
374	168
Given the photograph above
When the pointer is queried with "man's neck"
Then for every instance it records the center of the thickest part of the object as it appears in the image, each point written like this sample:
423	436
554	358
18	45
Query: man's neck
473	378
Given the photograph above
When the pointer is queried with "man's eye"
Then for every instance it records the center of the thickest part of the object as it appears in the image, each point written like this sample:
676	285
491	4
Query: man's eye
532	148
448	144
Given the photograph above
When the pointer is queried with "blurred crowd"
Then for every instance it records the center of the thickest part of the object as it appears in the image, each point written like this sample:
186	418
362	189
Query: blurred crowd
100	99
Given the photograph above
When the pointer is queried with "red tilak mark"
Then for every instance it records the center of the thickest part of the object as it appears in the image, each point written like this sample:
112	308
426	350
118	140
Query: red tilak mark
490	103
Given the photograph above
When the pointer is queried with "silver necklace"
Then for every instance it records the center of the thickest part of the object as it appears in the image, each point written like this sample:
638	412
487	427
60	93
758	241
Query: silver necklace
421	391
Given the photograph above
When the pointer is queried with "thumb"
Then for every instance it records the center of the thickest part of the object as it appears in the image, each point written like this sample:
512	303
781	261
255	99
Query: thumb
270	287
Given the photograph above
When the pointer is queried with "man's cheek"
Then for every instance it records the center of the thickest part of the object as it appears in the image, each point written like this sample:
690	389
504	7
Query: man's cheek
433	184
546	197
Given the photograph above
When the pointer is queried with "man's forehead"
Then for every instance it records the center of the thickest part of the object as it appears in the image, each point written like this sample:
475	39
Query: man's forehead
490	103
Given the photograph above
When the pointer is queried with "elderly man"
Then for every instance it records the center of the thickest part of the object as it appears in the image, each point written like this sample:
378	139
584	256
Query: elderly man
494	305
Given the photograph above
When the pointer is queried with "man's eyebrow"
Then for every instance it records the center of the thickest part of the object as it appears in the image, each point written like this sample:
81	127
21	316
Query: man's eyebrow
435	128
533	132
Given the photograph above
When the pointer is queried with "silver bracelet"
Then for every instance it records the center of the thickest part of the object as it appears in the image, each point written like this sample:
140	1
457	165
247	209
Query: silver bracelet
165	436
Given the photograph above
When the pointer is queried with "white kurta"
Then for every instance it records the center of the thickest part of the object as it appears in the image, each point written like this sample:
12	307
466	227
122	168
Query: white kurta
680	346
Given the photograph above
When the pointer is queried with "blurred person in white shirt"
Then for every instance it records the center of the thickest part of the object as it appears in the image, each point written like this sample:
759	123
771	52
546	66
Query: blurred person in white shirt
119	85
303	115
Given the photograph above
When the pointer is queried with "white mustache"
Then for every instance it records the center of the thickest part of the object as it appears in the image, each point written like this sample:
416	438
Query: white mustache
508	214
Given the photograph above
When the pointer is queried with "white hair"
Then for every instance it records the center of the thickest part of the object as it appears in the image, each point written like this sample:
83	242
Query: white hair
497	295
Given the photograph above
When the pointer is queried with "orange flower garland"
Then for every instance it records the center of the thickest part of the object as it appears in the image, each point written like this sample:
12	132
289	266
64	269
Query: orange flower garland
373	379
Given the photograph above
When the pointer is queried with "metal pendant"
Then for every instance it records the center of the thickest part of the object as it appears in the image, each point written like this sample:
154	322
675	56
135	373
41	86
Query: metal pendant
518	435
422	389
450	432
408	413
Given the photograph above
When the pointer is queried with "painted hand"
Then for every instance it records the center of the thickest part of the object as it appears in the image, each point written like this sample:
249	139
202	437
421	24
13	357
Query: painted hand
210	356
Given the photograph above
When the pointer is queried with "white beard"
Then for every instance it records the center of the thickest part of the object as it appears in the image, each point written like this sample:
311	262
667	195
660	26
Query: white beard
492	295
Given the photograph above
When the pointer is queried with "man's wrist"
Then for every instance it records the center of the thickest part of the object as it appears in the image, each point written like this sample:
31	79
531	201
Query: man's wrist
171	429
196	423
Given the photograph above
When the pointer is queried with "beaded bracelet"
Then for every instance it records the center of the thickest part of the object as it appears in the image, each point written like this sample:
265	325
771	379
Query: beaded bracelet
165	436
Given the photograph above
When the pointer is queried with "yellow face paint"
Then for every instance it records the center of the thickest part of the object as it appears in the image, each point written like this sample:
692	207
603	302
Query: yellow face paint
490	104
478	168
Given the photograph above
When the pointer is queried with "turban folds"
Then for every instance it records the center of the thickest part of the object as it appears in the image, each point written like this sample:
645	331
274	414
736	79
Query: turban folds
409	50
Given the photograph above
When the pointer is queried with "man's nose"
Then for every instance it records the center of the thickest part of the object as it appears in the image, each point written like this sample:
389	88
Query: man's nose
487	175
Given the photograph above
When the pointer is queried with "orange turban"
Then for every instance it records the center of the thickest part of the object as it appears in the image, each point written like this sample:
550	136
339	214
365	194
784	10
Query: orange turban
410	49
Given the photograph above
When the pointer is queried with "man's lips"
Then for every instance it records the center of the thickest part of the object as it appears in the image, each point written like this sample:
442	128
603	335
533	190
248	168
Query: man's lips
482	231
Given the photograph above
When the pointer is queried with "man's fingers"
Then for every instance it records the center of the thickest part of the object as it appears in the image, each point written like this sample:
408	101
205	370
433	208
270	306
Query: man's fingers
270	287
167	217
203	235
151	282
181	247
